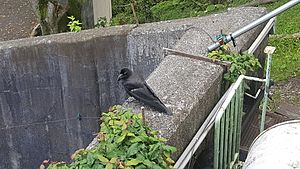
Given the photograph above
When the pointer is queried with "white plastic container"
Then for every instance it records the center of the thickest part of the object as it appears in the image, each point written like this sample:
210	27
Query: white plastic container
278	147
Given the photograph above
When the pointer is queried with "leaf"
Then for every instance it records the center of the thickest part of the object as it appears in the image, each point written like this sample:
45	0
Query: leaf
121	138
133	149
109	166
141	166
133	162
124	126
210	8
119	123
161	139
113	160
71	17
140	116
90	159
169	160
76	152
148	163
170	149
111	122
103	159
142	149
136	140
130	134
140	157
156	166
154	147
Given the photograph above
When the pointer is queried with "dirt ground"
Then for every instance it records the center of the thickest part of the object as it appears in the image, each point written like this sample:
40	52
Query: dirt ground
286	92
17	19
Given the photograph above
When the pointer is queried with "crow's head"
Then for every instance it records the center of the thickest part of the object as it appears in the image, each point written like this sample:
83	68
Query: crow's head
124	74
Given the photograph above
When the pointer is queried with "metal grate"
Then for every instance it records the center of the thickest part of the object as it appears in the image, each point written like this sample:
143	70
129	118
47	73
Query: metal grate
252	129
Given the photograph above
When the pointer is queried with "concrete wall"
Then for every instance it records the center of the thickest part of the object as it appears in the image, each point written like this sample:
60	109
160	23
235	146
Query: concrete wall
46	80
102	8
49	79
56	77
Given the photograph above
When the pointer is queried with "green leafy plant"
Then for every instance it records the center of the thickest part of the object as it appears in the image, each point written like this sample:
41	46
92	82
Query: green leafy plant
240	63
214	7
102	22
74	25
124	142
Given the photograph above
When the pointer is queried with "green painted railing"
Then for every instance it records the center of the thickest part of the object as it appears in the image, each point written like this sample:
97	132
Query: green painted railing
228	127
228	122
226	117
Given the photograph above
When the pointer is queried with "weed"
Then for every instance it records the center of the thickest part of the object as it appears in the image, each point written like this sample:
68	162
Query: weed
124	142
102	22
240	63
74	25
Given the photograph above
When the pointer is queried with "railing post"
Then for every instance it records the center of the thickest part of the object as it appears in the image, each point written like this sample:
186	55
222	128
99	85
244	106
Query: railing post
216	145
240	112
268	50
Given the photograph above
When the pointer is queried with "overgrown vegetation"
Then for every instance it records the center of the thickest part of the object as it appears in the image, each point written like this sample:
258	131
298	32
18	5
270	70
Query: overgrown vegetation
50	13
102	22
125	141
240	63
159	10
286	59
287	22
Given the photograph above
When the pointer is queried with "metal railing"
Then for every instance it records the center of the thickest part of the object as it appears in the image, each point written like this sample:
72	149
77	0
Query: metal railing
227	116
255	23
228	127
228	122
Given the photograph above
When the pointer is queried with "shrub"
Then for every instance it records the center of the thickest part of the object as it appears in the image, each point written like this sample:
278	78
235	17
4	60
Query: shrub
124	142
240	63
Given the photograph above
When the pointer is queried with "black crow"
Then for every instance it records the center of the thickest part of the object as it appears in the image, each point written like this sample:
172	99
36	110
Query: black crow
136	87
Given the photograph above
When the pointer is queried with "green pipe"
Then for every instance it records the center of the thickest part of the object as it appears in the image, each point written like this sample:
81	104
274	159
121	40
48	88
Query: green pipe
265	99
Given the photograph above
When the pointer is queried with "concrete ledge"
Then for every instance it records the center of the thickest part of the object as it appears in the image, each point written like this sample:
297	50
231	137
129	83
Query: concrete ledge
190	88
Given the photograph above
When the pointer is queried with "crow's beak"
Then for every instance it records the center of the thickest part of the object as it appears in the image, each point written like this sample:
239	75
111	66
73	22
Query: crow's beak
119	77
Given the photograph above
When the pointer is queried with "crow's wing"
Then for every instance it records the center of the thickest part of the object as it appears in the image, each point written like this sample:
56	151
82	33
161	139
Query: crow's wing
152	92
140	92
136	87
143	93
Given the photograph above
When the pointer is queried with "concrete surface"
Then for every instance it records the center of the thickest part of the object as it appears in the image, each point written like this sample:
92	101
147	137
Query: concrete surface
47	80
17	19
196	40
189	88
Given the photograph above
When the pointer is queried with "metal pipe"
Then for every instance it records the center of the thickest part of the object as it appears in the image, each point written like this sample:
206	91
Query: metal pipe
262	36
269	50
255	79
256	23
256	95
